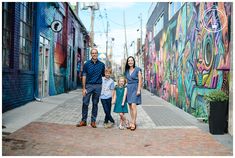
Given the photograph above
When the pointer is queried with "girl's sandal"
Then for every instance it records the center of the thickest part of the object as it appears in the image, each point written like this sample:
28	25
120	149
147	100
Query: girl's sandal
128	125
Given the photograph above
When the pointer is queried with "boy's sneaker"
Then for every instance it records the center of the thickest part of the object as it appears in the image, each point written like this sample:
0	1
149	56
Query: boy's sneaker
110	124
105	125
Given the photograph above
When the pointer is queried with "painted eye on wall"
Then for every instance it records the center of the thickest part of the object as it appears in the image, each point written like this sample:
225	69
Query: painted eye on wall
208	54
208	50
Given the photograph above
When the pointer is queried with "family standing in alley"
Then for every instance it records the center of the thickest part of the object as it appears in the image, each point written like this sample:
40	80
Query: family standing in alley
94	85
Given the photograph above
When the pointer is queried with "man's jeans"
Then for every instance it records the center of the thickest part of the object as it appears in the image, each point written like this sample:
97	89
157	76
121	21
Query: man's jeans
93	90
107	109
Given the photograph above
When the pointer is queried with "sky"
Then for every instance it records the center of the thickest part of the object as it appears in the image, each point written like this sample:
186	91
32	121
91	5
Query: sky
114	12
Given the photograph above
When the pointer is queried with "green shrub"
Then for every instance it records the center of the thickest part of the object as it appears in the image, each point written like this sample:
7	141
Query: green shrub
216	95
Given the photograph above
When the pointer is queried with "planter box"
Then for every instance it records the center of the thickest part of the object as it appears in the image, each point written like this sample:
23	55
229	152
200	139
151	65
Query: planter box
218	117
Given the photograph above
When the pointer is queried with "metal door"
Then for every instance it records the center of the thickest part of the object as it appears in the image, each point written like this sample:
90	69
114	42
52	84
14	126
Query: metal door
43	74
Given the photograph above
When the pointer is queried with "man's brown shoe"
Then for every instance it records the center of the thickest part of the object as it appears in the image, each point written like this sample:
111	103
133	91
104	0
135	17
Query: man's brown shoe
82	123
93	124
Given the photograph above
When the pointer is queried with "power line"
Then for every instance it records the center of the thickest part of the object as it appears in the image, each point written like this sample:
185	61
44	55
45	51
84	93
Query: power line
122	24
101	32
102	20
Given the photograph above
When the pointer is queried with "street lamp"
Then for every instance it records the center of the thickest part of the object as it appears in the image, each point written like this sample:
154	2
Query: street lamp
133	43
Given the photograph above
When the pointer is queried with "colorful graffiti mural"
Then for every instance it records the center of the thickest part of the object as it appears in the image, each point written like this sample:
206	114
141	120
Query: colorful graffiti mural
193	57
64	46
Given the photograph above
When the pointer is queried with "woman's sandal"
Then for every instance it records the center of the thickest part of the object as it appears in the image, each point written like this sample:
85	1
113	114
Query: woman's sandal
133	128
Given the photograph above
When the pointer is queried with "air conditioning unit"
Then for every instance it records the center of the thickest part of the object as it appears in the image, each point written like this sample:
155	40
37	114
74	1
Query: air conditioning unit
93	5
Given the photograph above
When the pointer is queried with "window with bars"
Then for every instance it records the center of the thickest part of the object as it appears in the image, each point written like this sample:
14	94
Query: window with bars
6	33
26	28
158	26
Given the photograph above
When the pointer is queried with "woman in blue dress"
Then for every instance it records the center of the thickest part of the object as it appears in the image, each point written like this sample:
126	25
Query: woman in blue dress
134	83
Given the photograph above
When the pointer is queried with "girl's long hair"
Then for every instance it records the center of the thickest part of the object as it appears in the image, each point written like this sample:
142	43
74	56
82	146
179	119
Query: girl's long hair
127	67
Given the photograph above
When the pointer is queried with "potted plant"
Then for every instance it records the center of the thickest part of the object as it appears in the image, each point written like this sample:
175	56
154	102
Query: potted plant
218	111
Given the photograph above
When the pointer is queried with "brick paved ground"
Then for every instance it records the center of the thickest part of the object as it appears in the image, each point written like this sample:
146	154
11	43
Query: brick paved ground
48	139
162	130
71	113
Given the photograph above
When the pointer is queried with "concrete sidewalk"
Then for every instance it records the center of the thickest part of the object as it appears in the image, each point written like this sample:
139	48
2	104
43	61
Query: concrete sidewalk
65	110
166	115
23	115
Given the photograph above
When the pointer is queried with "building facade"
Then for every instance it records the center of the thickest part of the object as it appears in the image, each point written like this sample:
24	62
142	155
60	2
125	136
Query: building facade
43	44
189	54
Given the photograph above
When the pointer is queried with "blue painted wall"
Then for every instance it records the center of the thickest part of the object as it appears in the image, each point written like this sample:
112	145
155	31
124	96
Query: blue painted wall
20	87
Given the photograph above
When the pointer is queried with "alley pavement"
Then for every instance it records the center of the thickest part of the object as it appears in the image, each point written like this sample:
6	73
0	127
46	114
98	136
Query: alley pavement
48	128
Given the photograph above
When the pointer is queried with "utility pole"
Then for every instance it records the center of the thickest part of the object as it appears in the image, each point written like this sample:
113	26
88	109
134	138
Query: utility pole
141	32
125	47
94	6
141	64
111	53
107	32
92	27
140	17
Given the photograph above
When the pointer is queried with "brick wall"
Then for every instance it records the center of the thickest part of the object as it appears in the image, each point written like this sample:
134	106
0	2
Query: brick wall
17	86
